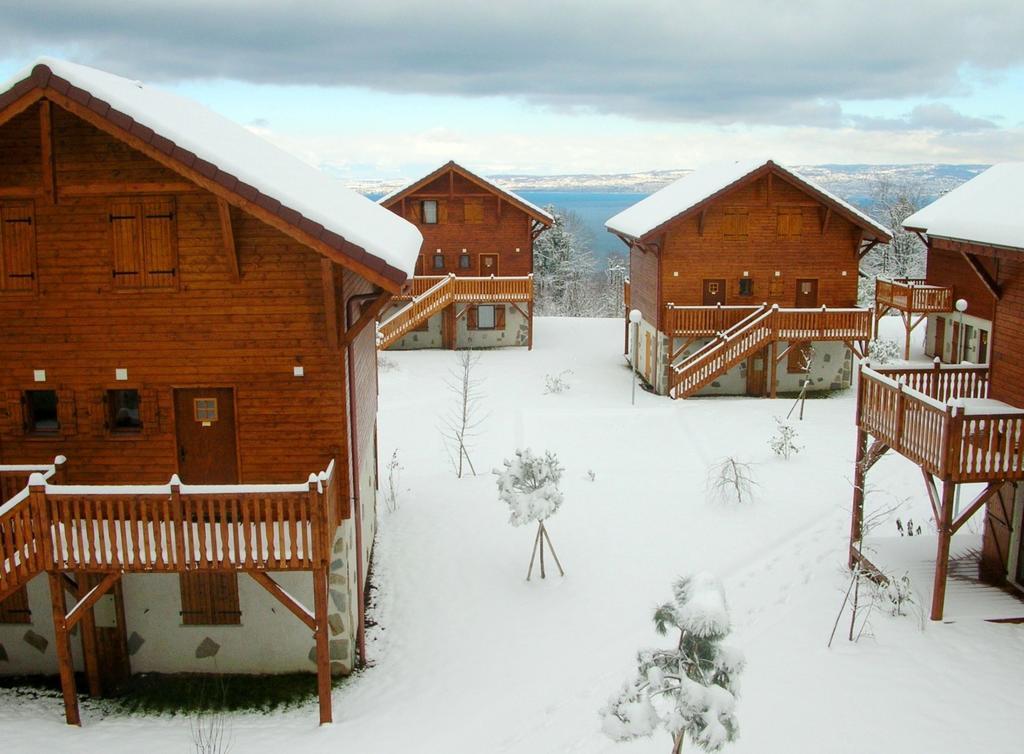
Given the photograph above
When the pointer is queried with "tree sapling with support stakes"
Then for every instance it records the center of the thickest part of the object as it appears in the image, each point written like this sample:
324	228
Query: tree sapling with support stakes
463	421
689	689
529	486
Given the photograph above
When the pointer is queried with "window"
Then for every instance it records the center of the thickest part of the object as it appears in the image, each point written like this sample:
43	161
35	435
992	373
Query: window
123	415
485	317
799	358
15	609
17	247
464	261
735	225
789	222
210	599
473	208
144	243
776	288
205	410
439	261
746	287
41	415
428	211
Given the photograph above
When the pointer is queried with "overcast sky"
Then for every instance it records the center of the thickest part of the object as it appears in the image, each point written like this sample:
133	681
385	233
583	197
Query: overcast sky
385	88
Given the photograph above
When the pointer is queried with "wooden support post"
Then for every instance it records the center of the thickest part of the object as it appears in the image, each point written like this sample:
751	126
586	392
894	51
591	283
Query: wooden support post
448	328
63	647
945	533
773	371
323	650
331	314
49	166
529	327
857	512
227	235
88	632
906	344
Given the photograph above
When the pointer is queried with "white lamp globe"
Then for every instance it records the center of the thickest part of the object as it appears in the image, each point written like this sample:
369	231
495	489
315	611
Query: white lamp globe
961	305
635	316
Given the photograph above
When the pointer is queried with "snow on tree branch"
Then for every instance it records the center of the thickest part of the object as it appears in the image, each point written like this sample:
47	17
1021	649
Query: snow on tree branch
529	486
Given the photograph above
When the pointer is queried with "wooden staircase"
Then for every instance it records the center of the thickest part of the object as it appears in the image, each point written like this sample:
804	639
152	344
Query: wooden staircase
759	328
451	290
22	532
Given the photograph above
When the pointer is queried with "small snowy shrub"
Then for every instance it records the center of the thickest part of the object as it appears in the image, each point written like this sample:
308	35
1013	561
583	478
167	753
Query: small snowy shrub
557	383
731	481
394	469
591	475
529	486
783	442
386	364
899	594
689	689
883	351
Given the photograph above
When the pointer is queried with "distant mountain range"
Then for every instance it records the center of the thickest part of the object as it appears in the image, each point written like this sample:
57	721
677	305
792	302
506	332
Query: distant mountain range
852	182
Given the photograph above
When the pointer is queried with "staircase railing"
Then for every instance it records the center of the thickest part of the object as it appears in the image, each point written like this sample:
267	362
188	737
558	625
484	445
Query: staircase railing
424	306
22	533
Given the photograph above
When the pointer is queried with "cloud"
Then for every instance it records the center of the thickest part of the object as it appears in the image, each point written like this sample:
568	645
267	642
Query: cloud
930	117
668	60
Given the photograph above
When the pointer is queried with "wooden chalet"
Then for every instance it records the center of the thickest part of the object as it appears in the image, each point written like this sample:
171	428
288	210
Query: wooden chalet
962	424
473	286
746	276
188	419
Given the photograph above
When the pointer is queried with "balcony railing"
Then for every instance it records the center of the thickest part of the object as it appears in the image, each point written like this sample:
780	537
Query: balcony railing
698	321
912	295
954	433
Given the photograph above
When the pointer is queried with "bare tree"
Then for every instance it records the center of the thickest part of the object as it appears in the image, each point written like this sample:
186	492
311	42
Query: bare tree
461	424
904	256
731	481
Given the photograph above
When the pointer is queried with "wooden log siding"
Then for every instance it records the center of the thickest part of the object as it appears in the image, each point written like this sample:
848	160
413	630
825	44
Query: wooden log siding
944	440
913	295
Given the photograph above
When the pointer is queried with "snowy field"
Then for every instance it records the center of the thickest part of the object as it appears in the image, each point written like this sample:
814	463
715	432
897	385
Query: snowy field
469	658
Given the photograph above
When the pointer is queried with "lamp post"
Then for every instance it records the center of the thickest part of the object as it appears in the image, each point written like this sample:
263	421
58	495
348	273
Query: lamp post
634	319
961	306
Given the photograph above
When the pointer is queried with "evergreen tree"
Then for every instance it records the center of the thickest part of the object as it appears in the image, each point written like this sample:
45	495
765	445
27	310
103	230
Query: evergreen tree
691	688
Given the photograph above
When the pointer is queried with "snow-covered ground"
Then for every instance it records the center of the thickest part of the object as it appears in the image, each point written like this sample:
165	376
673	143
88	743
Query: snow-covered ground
468	657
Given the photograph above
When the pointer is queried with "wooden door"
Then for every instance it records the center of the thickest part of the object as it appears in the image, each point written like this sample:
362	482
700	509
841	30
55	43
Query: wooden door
204	420
940	338
489	265
714	292
982	346
807	294
108	634
756	373
954	346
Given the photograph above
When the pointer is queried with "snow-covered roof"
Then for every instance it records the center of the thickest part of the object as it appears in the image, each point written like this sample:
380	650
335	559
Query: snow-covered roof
692	190
237	159
530	207
985	210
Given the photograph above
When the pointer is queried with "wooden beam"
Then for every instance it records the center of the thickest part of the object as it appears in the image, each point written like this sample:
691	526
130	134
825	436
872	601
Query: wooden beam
63	647
864	250
933	494
227	236
49	165
945	533
824	221
22	192
700	221
91	598
860	473
294	606
113	188
273	220
980	500
982	274
331	314
369	314
323	652
20	105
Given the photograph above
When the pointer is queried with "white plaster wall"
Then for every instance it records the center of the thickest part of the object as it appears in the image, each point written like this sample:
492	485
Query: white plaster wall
970	347
657	369
515	333
24	659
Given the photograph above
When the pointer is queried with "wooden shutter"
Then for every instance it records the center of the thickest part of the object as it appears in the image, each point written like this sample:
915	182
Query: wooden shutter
16	411
789	221
149	410
415	215
474	210
14	609
797	358
19	247
67	415
125	231
442	211
159	244
471	318
209	599
775	288
735	226
499	317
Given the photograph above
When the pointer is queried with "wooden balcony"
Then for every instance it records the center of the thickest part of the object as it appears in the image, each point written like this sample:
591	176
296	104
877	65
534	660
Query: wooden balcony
912	296
942	419
703	321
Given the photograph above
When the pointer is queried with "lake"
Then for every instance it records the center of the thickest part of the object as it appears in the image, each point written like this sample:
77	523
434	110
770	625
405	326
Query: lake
594	208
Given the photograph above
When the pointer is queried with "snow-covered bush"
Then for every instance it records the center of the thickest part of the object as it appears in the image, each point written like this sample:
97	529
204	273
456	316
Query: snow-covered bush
689	689
730	481
899	593
783	442
557	383
883	351
529	486
394	469
386	364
